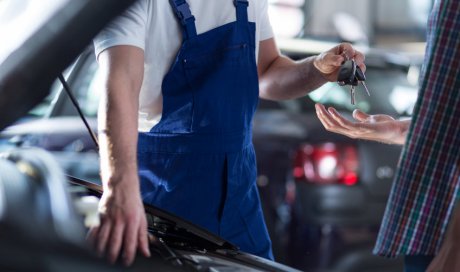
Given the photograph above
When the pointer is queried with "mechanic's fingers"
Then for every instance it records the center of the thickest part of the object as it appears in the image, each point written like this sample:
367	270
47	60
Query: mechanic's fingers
130	243
347	50
143	243
360	116
327	63
359	59
116	239
103	237
335	60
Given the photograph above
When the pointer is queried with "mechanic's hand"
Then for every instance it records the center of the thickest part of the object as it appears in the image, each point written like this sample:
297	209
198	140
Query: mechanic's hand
380	127
123	224
329	62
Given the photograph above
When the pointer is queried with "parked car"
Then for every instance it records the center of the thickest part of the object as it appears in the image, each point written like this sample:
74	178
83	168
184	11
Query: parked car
335	188
323	194
39	227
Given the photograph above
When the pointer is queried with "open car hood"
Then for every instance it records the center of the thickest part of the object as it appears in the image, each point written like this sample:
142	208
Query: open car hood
38	220
27	74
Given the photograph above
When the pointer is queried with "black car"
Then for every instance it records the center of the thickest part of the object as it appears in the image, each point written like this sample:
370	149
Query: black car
39	227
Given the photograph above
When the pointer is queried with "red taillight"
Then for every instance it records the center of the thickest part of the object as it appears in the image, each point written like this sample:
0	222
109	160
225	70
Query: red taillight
327	163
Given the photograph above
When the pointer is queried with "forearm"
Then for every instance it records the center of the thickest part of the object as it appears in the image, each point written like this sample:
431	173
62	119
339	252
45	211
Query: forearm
118	114
287	79
118	138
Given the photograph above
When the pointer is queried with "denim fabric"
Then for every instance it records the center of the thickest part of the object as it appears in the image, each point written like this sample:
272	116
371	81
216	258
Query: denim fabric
198	162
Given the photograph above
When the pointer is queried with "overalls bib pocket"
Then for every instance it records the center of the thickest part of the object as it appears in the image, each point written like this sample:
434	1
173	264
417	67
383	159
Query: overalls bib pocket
213	92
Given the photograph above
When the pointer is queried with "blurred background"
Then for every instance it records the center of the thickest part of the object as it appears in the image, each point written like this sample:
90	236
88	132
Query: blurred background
381	23
323	195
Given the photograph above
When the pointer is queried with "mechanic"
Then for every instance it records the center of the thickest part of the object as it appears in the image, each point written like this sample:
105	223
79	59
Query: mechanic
182	85
426	185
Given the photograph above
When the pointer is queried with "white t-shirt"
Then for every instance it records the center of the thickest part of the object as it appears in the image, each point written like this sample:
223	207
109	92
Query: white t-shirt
152	26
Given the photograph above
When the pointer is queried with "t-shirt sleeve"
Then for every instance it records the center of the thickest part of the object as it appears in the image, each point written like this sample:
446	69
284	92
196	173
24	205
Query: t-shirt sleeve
266	31
127	29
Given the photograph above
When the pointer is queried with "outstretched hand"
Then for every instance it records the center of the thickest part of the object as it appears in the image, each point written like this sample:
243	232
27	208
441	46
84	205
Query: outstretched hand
328	63
380	127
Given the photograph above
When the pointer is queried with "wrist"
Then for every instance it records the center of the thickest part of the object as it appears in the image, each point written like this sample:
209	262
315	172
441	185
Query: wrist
403	126
119	179
316	68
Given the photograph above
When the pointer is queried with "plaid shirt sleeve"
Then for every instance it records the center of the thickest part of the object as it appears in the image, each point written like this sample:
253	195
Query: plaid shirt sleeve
426	185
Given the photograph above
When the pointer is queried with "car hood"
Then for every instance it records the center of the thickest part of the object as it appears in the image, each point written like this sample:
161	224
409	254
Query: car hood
27	74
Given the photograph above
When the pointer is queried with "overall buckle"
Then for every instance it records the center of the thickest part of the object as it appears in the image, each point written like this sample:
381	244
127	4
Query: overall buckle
183	12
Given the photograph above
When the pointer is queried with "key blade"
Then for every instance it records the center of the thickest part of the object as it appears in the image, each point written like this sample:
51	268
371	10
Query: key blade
359	74
352	94
365	87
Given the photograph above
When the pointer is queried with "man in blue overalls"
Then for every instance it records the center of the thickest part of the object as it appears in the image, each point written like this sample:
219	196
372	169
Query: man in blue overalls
182	85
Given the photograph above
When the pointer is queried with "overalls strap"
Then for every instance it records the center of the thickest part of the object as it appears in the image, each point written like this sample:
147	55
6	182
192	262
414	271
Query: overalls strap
185	17
241	10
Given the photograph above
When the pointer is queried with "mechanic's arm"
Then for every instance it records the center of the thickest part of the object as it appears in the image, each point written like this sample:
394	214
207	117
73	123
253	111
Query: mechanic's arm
123	226
282	78
379	127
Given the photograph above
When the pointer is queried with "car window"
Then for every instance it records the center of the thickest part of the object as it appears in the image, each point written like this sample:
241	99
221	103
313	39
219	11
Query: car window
46	106
43	109
85	81
89	87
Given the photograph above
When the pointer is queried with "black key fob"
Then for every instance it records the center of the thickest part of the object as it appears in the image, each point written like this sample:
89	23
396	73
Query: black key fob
347	74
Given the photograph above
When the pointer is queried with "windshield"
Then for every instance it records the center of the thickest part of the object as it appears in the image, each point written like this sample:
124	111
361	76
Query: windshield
24	15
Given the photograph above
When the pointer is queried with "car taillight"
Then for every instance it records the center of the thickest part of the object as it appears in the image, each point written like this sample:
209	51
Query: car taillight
327	163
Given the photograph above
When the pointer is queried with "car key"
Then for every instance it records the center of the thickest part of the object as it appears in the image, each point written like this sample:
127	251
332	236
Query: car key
361	77
352	94
347	76
347	73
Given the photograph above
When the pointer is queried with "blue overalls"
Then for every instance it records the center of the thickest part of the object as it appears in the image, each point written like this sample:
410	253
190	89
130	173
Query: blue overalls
198	162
